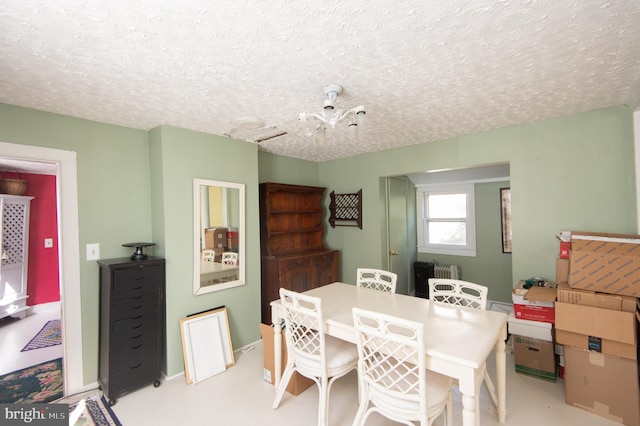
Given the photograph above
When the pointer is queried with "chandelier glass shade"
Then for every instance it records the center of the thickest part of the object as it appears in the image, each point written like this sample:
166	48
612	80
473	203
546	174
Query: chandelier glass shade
330	116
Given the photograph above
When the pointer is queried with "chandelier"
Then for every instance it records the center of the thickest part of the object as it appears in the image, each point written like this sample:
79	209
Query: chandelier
330	116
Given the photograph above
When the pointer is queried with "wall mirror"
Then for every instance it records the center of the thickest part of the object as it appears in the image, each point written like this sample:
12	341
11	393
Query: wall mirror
218	235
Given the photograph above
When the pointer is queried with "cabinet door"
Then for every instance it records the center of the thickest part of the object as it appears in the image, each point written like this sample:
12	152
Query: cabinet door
326	270
301	279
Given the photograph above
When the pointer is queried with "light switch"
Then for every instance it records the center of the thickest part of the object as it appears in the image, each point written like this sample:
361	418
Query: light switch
93	251
48	242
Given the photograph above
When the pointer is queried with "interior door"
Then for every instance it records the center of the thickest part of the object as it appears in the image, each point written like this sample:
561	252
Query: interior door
400	245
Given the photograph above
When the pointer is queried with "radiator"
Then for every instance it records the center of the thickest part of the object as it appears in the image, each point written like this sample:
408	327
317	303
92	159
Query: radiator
447	271
425	270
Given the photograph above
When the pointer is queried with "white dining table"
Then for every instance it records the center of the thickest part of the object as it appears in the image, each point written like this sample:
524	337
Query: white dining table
216	271
458	340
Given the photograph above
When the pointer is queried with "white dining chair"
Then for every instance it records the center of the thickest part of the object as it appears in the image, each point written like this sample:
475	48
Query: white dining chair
377	279
208	255
463	293
309	352
229	258
392	373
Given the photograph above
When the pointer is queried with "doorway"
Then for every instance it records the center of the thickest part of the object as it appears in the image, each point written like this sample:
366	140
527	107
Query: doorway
63	164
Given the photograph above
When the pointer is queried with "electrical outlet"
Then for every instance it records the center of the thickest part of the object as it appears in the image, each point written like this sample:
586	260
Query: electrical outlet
93	251
48	242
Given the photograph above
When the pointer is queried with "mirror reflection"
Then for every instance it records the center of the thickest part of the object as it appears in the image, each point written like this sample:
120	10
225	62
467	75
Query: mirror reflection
218	235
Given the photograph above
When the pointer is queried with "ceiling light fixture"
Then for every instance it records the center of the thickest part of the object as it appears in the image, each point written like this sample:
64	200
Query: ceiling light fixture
330	116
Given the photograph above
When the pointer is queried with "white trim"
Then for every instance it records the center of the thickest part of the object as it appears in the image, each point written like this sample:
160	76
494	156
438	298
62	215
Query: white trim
69	249
467	250
636	132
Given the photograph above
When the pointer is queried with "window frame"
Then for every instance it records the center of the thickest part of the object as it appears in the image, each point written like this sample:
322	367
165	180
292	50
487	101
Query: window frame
422	193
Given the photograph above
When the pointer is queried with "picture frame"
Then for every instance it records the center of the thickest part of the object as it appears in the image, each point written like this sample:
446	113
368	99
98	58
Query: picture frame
206	344
505	219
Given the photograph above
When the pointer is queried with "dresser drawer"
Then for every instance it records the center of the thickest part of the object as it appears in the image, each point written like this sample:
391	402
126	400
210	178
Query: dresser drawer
322	259
297	263
130	357
134	282
133	377
132	327
135	306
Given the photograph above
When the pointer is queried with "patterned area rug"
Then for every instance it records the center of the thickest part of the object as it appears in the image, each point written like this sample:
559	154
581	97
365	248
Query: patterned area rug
50	335
39	383
89	409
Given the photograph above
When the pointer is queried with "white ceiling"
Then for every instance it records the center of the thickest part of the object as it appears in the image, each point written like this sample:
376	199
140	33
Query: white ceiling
424	70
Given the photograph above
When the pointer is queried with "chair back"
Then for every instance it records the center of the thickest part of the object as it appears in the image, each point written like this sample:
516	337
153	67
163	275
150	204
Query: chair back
377	279
230	258
392	363
304	333
458	292
208	255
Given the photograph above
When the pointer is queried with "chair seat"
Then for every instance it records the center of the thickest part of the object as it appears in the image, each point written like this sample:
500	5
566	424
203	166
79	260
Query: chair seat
340	356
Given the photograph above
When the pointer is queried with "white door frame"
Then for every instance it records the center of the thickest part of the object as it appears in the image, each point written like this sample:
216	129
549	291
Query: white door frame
69	252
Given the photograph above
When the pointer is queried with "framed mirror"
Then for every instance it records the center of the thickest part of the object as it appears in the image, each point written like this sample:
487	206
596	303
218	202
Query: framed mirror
218	235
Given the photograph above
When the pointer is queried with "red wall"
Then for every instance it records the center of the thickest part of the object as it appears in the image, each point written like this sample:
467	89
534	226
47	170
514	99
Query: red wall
43	284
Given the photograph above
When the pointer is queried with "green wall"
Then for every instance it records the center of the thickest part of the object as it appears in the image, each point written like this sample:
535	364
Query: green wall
276	168
573	172
177	157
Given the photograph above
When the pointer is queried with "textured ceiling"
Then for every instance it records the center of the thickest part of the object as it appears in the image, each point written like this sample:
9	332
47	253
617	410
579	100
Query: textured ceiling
424	70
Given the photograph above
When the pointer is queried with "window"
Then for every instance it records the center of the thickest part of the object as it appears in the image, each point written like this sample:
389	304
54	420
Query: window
446	219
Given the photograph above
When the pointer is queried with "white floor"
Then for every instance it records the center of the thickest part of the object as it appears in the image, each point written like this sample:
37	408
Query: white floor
239	396
16	333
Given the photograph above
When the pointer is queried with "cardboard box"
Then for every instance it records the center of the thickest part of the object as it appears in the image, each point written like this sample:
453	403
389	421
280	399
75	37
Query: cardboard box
565	249
602	330
233	240
298	382
536	304
534	357
536	329
562	270
576	296
215	238
602	385
609	263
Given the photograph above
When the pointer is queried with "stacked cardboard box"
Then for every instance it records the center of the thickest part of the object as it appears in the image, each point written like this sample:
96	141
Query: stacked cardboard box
531	327
597	323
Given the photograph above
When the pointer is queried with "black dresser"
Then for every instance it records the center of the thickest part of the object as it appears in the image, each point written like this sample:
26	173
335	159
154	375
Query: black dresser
131	324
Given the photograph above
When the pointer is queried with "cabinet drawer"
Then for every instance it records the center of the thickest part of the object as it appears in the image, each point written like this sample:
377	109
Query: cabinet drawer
322	259
133	282
132	357
133	327
133	377
297	263
135	306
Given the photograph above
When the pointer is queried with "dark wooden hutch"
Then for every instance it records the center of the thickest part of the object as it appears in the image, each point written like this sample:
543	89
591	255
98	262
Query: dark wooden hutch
292	242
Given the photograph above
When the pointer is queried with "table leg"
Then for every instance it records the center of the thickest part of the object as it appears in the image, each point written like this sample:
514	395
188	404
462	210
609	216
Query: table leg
501	375
468	410
277	348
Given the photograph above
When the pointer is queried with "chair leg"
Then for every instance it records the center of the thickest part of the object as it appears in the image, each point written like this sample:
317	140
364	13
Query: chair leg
323	404
491	388
284	382
449	410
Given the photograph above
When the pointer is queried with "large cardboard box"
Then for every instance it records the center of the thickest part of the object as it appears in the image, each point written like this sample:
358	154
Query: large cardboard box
298	382
602	330
534	357
609	263
562	270
215	238
577	296
603	385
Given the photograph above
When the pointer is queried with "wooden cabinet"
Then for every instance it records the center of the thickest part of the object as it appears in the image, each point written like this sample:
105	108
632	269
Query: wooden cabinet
14	247
131	324
292	242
